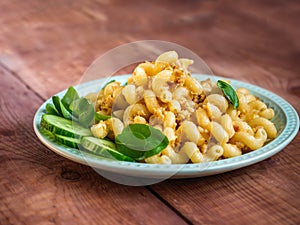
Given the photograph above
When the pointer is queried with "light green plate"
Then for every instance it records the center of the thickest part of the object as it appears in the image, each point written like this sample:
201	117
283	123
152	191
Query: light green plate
286	120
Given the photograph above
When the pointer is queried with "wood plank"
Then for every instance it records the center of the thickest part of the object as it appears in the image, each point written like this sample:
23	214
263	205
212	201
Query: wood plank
39	187
242	40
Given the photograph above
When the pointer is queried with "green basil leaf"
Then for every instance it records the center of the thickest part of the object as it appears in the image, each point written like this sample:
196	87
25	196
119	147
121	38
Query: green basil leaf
86	118
84	110
229	93
80	105
73	107
70	96
99	117
56	102
60	108
50	109
140	141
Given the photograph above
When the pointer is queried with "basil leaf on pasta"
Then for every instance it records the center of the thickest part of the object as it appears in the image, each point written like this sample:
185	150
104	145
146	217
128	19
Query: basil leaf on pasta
140	141
229	93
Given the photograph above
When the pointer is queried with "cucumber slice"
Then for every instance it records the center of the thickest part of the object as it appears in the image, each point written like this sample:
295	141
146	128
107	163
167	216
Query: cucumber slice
65	127
68	141
104	148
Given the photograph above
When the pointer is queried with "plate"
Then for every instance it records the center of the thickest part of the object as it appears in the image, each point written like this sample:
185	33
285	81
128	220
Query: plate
286	120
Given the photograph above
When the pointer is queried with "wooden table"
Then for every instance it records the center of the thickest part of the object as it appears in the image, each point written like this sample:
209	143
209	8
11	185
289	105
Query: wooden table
45	46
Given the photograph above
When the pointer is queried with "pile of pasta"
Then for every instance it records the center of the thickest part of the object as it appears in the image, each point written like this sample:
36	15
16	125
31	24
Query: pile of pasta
198	120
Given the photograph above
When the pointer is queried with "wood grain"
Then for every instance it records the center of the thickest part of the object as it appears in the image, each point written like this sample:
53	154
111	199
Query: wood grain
246	48
45	46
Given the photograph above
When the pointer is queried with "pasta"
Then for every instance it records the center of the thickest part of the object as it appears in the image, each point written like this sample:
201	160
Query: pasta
196	117
176	158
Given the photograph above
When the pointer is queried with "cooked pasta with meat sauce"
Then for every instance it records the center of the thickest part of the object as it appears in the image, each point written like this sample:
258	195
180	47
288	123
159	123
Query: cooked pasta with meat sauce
199	122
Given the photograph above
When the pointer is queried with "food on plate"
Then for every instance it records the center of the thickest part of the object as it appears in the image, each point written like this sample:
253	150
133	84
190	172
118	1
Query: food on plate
162	115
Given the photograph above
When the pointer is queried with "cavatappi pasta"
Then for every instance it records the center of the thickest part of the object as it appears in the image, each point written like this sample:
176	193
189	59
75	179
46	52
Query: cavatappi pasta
198	120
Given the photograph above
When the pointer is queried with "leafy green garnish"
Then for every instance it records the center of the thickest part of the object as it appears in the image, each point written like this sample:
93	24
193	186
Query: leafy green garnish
72	107
84	111
229	93
61	109
99	117
140	141
50	109
70	96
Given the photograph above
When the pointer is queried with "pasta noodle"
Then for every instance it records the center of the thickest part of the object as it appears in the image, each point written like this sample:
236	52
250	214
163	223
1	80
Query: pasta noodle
196	117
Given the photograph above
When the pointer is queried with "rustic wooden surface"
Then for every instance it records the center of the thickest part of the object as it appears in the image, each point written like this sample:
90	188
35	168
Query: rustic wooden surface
45	46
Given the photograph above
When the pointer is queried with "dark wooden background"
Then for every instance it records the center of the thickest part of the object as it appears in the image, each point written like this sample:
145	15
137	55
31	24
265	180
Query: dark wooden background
45	46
